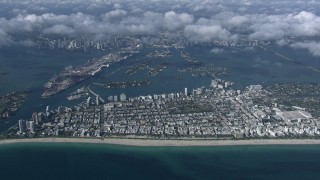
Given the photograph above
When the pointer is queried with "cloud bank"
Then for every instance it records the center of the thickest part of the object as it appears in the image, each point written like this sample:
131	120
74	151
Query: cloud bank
313	47
197	20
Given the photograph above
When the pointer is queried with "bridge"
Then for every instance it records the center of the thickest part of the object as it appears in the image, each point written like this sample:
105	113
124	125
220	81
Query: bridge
95	94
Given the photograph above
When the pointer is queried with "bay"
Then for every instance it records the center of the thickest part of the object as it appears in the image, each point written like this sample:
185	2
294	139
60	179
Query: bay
30	68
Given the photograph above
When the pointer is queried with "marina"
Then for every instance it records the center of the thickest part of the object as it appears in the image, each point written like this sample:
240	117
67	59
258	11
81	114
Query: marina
160	54
185	55
136	68
205	70
125	84
156	70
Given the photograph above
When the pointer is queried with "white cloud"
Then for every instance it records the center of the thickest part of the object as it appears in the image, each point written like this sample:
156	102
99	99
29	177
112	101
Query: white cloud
27	42
117	6
217	50
237	20
59	29
313	47
5	39
199	20
282	42
174	21
114	15
206	32
302	24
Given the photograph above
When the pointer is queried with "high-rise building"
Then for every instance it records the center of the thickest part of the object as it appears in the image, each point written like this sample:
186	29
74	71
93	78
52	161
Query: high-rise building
155	96
186	91
40	115
35	118
30	126
48	111
97	100
22	126
123	97
227	84
171	96
214	83
88	101
60	110
110	98
199	91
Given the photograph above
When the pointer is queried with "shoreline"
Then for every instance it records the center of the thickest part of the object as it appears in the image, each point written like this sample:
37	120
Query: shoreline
166	143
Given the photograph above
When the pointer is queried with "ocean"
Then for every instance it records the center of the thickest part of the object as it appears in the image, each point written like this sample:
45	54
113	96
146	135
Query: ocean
70	161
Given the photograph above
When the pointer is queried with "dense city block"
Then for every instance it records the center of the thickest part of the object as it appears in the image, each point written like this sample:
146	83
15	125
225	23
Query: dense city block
216	111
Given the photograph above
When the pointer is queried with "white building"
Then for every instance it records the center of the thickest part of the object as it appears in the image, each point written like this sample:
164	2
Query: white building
123	97
22	126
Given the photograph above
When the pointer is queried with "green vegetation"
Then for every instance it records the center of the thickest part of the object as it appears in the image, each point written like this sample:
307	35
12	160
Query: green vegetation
306	95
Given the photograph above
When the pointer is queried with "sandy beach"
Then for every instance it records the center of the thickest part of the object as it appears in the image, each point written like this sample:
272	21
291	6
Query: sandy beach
150	142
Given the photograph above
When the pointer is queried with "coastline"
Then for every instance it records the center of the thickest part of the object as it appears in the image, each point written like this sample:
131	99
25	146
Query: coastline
164	143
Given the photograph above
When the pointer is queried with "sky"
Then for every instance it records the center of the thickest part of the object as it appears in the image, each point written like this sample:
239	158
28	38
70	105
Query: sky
197	20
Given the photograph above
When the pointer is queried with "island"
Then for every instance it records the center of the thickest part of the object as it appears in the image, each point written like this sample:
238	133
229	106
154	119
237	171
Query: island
71	76
12	102
213	112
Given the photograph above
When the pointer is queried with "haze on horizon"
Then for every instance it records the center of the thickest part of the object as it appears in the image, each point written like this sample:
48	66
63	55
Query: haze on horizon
196	20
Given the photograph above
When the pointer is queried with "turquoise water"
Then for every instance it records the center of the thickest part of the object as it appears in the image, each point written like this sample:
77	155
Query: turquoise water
92	161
